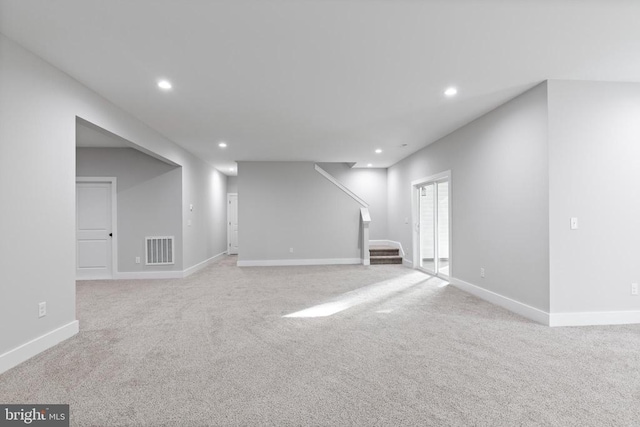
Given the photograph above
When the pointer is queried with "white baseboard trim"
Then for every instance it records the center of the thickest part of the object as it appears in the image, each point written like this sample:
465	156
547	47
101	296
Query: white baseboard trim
140	275
391	243
586	318
189	271
517	307
366	262
594	318
26	351
291	262
173	274
92	278
407	263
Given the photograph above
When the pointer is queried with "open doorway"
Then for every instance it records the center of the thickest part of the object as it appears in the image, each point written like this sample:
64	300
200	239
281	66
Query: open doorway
125	197
432	219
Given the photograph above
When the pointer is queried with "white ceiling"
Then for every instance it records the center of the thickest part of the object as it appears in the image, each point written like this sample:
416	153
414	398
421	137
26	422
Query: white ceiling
322	80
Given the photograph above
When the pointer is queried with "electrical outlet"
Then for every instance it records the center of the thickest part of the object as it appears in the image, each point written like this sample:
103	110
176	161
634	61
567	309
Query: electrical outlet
137	260
634	289
42	309
482	272
188	223
291	250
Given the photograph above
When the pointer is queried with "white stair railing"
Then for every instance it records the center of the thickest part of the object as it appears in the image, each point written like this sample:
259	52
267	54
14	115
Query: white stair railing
365	219
338	184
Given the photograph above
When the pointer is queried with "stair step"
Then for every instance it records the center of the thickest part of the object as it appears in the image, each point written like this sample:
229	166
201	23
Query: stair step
386	259
383	251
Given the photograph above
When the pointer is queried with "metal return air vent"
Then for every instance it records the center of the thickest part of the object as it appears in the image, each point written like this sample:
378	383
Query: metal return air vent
159	250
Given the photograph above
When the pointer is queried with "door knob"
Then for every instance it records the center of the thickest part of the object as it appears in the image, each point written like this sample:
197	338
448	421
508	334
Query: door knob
110	234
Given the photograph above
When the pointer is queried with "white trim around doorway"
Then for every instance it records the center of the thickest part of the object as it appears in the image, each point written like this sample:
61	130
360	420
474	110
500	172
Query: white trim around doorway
229	195
415	217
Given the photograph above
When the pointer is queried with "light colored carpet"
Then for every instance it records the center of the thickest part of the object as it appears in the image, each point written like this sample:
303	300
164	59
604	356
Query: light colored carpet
214	349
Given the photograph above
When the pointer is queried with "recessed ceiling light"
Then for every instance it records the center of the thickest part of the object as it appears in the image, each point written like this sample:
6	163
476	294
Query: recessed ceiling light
369	165
378	151
232	169
164	84
222	145
451	91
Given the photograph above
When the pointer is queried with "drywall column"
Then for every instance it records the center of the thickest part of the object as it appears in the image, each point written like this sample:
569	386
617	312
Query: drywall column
594	151
37	219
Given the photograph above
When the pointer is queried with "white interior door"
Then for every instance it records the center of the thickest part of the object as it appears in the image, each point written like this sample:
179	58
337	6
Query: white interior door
93	230
232	223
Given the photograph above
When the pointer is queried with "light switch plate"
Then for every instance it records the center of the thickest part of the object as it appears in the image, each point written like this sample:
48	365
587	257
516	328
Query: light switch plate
574	223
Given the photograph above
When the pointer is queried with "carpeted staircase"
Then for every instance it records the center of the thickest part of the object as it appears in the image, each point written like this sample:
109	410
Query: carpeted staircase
384	255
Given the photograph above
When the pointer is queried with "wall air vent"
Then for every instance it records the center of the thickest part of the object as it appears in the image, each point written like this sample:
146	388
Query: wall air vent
159	250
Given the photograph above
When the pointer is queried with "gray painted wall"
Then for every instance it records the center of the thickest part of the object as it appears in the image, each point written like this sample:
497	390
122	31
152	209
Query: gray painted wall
499	166
371	186
594	147
37	220
232	184
149	196
284	205
39	106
